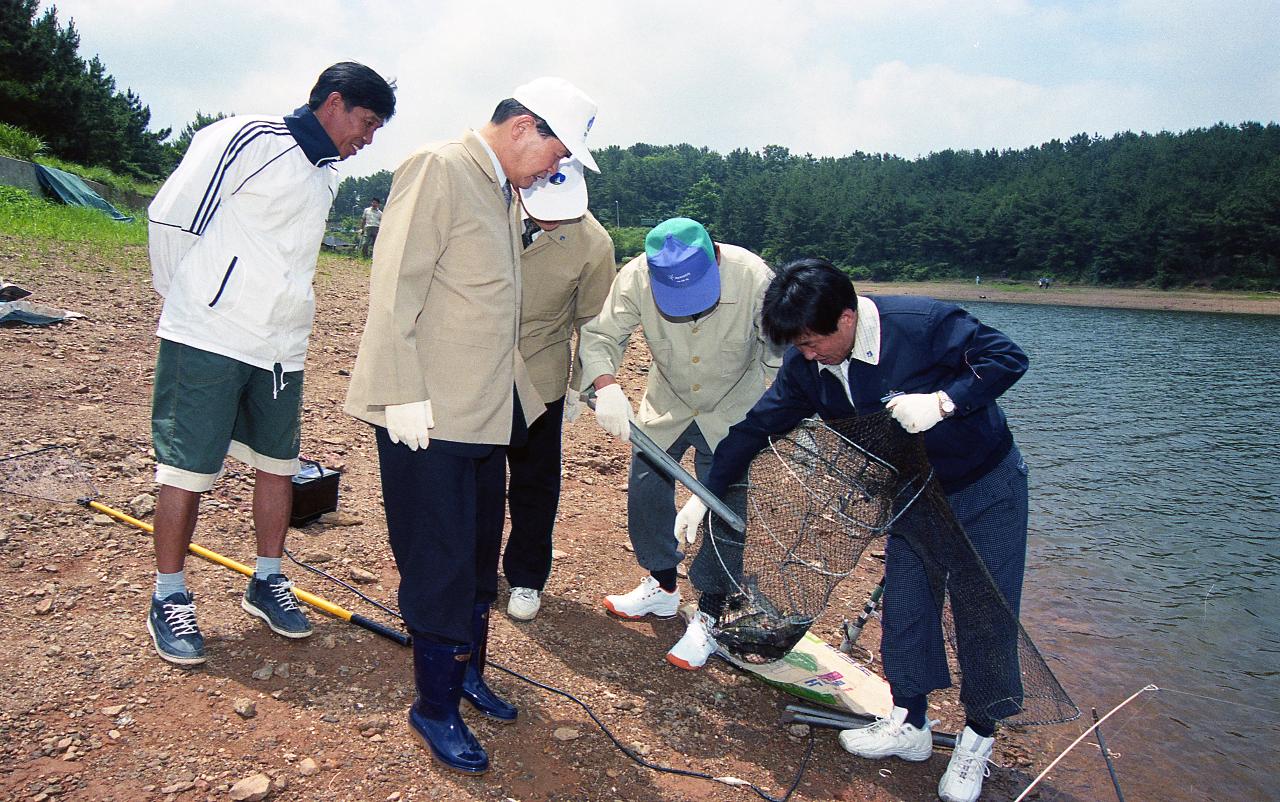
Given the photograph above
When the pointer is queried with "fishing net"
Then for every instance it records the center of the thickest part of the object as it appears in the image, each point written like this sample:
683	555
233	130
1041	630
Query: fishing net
52	474
814	500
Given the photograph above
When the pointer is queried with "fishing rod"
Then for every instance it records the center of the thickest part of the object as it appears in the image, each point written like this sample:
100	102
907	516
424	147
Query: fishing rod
645	445
321	604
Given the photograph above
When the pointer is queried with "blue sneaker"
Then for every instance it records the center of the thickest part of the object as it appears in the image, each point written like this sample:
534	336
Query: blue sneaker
272	600
172	624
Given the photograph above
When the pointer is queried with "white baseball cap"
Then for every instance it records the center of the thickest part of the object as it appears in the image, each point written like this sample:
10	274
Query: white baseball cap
566	108
560	196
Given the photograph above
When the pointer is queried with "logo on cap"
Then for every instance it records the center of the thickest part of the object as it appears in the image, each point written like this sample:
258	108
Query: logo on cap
590	123
557	179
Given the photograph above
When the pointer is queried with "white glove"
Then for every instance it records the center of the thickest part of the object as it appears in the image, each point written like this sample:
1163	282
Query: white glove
917	412
410	423
687	520
613	411
572	406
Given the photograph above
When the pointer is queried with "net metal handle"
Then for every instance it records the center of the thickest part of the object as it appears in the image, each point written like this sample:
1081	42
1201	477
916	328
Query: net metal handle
676	471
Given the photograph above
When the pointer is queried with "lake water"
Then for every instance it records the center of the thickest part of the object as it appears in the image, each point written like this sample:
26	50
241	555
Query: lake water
1153	440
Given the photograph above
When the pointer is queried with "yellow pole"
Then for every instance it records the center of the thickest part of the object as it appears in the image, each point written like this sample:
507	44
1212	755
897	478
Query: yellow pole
315	601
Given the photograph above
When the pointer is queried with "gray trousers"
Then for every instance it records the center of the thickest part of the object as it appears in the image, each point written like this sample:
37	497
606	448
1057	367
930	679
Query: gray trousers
651	501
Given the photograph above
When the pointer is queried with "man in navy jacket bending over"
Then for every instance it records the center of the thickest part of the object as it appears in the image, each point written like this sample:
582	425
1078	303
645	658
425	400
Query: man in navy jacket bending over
945	370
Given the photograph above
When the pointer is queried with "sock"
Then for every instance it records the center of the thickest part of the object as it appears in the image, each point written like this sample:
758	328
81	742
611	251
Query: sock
915	707
666	578
169	584
712	604
982	728
266	566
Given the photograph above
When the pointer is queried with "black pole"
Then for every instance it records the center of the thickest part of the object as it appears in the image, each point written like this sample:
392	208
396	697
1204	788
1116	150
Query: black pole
381	629
841	720
1106	755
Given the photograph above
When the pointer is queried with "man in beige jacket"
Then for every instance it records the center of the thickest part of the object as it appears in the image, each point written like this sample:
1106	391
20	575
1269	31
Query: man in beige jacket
566	269
699	305
440	378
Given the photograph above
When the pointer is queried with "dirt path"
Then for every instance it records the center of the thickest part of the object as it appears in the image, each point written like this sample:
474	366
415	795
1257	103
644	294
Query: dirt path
90	712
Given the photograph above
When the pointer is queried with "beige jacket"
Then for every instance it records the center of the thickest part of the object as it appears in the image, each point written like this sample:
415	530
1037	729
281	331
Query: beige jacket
710	371
444	300
565	276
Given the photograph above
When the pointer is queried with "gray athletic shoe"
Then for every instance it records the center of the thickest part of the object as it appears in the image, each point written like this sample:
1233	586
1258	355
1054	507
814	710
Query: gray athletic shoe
272	600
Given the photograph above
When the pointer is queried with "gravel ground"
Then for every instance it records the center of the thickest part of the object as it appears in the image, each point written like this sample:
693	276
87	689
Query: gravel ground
92	713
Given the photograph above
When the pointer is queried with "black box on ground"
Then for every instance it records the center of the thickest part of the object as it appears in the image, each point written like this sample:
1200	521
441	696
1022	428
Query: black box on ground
315	492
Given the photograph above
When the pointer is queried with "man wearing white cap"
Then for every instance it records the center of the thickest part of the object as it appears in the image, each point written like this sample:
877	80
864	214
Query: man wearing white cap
441	379
699	304
566	269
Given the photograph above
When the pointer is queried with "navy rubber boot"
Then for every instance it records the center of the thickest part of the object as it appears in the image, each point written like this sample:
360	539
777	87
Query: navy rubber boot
438	669
474	689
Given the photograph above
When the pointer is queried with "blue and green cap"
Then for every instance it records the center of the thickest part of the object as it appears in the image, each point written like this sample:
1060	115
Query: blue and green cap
682	266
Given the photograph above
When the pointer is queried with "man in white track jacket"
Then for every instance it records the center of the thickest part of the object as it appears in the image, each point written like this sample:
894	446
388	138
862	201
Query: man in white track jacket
234	234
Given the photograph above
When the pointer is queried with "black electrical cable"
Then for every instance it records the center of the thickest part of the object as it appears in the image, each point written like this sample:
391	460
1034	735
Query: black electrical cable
804	762
349	587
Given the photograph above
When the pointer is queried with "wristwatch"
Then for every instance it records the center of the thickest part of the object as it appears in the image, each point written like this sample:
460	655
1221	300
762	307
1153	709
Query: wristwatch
946	405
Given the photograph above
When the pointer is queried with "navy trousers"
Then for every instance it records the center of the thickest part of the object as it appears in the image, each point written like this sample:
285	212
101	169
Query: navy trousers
533	494
993	513
445	506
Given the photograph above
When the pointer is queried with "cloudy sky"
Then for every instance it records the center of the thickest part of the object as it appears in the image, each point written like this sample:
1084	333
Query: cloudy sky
826	77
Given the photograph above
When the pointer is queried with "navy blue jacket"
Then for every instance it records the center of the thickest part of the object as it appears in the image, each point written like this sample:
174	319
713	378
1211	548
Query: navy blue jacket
925	346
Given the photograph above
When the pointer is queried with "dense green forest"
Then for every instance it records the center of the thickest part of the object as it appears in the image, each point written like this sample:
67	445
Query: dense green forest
1201	207
72	105
1168	209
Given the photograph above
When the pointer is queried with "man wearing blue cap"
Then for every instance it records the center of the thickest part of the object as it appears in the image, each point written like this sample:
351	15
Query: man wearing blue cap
699	304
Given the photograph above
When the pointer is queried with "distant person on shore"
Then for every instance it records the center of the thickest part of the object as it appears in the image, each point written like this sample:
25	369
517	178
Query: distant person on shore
698	303
566	268
849	352
370	221
234	236
440	377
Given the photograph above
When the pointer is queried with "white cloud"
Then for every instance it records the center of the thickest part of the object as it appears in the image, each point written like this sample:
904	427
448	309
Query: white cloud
821	76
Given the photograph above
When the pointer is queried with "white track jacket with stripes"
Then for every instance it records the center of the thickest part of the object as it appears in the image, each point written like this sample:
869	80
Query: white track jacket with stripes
234	233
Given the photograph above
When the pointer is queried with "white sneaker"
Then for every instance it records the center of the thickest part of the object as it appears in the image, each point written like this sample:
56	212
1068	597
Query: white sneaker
890	737
692	650
647	599
969	765
524	603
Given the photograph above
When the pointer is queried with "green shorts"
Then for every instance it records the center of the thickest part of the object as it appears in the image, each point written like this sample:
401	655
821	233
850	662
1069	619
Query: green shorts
206	406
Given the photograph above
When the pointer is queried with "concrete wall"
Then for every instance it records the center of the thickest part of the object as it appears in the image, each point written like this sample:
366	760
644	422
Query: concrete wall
22	174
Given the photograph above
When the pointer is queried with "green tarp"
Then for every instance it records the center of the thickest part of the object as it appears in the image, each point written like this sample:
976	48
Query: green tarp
73	191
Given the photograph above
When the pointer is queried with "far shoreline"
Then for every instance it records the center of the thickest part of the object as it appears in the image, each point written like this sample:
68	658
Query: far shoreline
1221	301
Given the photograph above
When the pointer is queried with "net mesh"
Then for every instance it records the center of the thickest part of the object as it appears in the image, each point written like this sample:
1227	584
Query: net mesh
53	474
814	500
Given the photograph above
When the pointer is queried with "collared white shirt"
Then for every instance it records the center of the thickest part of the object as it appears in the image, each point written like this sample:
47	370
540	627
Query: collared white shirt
866	343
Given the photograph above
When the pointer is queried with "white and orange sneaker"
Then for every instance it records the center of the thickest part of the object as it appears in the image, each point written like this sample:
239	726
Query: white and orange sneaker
647	599
692	650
